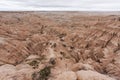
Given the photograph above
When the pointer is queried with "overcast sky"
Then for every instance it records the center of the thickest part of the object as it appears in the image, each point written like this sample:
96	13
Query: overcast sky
52	5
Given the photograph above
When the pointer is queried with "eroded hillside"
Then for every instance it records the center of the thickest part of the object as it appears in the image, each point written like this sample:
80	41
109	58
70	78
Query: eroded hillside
59	46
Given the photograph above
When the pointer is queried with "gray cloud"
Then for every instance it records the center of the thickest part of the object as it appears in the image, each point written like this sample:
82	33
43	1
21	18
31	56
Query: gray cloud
113	5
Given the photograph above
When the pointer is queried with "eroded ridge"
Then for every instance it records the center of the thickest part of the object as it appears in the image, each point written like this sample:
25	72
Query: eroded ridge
59	46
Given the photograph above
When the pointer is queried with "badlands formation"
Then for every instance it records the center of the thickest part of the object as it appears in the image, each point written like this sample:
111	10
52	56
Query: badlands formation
59	46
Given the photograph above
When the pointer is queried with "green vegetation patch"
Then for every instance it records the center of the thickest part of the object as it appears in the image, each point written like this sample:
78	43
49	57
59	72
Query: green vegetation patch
42	74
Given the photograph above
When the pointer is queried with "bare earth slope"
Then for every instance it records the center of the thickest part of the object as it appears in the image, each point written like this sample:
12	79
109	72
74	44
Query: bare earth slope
59	46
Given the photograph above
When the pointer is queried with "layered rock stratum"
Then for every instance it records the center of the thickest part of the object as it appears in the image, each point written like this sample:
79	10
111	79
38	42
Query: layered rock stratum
59	46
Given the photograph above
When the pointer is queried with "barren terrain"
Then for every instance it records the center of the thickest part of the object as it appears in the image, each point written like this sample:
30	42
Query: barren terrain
59	46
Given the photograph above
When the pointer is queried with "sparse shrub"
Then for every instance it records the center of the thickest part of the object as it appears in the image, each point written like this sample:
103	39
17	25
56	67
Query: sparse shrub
34	63
52	61
42	74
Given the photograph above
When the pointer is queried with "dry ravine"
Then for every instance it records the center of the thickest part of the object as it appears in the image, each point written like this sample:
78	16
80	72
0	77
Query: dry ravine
59	46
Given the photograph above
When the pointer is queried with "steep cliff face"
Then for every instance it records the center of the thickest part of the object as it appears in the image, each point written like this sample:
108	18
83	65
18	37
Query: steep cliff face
55	45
